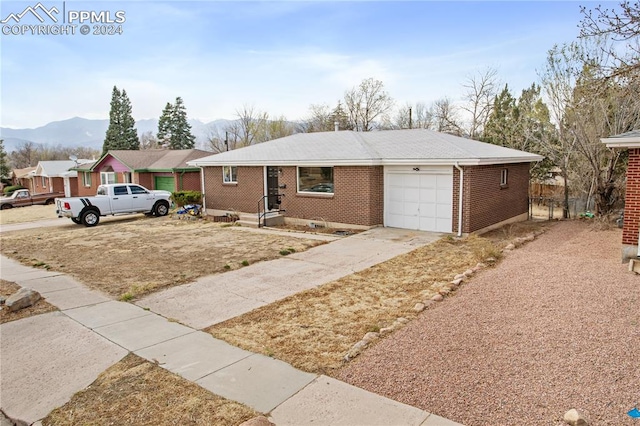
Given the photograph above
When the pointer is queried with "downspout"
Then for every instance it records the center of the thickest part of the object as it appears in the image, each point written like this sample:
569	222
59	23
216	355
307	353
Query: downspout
460	198
204	203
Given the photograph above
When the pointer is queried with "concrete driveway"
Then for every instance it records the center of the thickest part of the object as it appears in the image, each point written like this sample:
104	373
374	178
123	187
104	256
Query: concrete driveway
220	297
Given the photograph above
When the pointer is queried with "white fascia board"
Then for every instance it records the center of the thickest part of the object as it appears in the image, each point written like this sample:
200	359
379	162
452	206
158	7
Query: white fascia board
621	142
301	163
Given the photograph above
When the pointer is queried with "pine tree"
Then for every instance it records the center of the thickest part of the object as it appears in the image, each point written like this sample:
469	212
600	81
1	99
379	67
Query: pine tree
4	162
182	137
121	133
174	131
165	125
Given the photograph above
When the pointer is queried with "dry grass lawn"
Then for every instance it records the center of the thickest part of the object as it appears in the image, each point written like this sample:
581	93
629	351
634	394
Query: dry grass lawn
134	257
27	214
313	330
137	392
7	288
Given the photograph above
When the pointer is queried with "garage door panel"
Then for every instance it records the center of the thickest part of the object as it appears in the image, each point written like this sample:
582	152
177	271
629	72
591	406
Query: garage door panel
421	201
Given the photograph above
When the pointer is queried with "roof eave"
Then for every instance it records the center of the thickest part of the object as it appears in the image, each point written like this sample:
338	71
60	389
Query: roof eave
633	142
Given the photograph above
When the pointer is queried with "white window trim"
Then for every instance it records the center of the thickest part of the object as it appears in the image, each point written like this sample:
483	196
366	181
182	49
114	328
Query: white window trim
312	192
104	178
504	177
44	181
86	179
224	175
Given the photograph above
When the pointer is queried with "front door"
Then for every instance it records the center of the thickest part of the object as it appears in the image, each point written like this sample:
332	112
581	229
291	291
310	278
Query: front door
273	200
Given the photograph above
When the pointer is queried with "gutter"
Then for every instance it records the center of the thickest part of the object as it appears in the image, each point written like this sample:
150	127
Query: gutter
460	198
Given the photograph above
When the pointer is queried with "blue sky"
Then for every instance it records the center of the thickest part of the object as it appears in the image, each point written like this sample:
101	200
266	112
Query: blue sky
279	57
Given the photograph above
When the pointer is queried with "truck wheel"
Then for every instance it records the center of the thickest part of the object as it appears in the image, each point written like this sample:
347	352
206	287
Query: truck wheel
161	208
6	206
76	220
90	218
49	201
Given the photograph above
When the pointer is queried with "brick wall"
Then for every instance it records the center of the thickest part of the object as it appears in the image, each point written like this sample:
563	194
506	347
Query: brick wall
57	183
189	181
144	179
485	202
241	197
358	197
87	191
632	200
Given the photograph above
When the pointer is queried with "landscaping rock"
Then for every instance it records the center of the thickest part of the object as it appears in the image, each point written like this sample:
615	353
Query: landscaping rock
419	307
468	273
2	300
491	260
479	266
386	330
23	298
510	247
355	350
371	336
575	418
457	282
258	421
402	320
437	298
530	237
459	277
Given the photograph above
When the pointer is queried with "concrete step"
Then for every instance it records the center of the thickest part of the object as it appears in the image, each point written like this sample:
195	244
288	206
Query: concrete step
251	219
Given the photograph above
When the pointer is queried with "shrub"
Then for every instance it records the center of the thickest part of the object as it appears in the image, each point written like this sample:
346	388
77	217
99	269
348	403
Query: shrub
183	198
10	189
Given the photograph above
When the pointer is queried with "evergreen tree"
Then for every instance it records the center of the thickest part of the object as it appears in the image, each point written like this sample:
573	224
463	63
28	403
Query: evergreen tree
4	162
121	133
501	128
174	131
340	116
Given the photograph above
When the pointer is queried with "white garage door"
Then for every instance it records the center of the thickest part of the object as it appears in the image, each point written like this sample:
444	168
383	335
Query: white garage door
419	200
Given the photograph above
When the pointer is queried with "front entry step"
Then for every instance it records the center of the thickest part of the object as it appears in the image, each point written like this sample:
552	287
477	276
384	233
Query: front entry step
251	219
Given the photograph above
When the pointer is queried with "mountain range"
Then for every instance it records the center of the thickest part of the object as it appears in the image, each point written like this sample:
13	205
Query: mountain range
82	132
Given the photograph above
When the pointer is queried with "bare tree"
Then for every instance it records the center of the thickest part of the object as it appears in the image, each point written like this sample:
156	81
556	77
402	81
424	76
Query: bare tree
481	90
365	103
319	119
444	116
149	141
622	27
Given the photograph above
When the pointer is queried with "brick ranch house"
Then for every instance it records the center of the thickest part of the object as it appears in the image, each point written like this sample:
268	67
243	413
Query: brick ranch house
152	168
631	224
408	179
55	176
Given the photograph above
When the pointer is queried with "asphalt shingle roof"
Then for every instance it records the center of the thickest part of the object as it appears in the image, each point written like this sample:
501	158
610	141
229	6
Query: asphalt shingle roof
156	159
369	148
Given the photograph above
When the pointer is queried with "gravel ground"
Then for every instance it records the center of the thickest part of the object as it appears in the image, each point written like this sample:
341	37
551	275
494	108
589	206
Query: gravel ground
555	326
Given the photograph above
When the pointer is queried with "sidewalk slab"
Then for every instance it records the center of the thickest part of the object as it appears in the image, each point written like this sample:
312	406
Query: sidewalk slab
194	355
330	402
47	358
106	313
44	285
141	332
258	381
75	297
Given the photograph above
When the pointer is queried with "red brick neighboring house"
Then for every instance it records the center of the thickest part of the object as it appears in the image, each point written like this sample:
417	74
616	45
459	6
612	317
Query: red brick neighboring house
631	224
153	168
23	177
408	179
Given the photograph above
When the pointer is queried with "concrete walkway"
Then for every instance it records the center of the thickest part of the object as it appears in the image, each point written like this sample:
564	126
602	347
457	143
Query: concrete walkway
216	298
45	359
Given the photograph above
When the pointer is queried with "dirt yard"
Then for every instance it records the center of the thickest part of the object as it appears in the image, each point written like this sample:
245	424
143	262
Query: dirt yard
27	214
133	257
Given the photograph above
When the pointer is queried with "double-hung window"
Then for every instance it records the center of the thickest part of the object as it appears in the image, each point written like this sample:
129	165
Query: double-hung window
229	174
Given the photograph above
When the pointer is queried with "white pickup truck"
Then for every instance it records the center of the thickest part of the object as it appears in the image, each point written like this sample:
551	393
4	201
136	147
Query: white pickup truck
113	199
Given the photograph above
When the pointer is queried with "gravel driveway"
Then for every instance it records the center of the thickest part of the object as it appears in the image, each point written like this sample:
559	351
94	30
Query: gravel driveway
555	326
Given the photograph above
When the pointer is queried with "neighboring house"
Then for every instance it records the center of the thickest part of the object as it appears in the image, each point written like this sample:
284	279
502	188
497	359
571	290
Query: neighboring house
152	168
55	176
551	186
23	177
631	224
399	178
